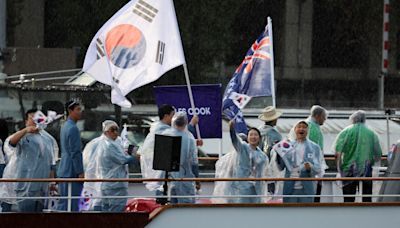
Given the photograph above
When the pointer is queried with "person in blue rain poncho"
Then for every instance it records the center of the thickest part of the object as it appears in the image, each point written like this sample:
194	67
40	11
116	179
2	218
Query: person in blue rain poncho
188	160
91	190
269	137
246	161
269	134
112	162
31	153
299	157
146	151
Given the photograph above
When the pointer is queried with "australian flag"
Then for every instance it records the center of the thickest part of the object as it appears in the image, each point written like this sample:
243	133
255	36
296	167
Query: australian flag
253	78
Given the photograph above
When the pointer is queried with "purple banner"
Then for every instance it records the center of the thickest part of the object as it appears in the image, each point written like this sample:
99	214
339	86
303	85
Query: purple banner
207	99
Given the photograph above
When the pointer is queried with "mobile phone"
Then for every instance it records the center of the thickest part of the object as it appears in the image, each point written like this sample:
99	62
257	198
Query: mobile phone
132	149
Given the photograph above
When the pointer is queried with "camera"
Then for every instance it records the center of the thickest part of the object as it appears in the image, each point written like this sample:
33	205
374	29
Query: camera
132	149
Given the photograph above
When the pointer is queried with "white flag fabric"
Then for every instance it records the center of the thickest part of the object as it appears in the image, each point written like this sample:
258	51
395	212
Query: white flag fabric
134	47
42	121
124	137
240	100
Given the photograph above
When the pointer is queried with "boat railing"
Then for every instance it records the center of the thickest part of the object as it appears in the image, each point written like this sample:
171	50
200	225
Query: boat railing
69	181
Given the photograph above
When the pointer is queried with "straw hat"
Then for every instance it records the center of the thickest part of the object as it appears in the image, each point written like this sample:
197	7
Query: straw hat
270	113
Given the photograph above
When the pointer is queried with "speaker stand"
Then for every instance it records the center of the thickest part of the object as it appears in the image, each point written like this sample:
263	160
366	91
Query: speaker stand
164	201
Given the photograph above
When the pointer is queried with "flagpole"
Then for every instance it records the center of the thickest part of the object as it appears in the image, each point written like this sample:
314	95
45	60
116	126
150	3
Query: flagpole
272	61
191	96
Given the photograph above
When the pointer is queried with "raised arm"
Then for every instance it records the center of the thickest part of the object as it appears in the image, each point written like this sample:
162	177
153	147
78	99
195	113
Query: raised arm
338	159
237	143
17	136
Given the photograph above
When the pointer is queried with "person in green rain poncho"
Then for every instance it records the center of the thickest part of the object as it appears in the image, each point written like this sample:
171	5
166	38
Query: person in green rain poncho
317	118
357	149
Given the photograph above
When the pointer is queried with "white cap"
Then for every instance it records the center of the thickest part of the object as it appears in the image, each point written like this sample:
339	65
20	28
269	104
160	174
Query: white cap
108	124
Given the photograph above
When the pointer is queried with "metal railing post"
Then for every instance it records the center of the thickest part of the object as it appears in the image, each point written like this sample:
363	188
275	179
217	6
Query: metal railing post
69	197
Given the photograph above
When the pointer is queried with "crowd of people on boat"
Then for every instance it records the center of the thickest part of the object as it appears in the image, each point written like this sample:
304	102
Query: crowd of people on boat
264	152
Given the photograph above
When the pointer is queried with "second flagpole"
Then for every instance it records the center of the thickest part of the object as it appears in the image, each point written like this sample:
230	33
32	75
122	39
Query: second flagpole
272	62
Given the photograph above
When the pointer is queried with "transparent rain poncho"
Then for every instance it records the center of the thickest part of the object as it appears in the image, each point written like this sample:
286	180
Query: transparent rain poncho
112	162
272	170
392	187
91	189
311	127
293	164
33	157
146	152
7	189
224	168
269	137
188	159
287	152
243	162
358	146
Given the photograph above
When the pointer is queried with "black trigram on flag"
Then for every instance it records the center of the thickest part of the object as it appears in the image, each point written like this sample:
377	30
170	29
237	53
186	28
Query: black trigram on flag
100	49
160	52
145	10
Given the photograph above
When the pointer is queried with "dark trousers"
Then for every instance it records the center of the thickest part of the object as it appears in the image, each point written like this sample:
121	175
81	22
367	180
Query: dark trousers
2	167
351	189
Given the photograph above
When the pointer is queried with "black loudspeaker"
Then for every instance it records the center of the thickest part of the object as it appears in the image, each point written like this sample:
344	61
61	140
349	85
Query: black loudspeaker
167	153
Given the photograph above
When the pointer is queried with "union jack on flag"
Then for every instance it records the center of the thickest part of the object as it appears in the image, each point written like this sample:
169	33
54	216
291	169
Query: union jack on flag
259	50
253	77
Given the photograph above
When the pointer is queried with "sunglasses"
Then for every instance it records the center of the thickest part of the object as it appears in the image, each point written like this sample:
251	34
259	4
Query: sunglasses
113	129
